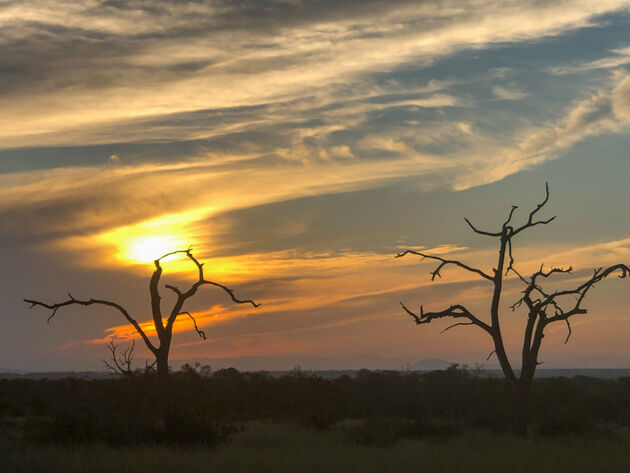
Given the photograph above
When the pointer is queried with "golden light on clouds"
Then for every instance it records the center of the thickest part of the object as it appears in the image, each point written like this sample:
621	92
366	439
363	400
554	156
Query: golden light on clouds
148	240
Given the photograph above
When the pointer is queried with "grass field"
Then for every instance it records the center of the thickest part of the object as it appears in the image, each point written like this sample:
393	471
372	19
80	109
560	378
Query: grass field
263	447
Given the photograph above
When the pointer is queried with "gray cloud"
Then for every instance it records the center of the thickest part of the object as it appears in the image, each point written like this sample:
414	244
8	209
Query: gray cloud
88	66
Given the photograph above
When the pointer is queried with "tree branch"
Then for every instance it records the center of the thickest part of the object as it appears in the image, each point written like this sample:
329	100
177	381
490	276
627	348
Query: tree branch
201	281
530	221
580	291
72	301
174	289
454	311
505	224
538	308
569	328
201	333
445	262
457	325
121	363
481	232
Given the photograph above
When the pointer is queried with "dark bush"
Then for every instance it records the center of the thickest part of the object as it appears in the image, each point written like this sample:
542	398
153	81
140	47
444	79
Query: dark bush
564	422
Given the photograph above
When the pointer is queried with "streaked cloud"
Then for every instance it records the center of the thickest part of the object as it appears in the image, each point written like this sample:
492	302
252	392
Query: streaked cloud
217	55
617	57
509	93
604	111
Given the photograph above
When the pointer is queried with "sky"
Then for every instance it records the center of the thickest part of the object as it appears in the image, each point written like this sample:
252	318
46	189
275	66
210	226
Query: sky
298	145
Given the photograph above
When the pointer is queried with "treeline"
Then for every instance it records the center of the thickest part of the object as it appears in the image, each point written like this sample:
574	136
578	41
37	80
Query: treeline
379	406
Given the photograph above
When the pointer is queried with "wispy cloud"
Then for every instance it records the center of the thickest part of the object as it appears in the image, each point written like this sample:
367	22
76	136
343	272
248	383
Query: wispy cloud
605	111
617	57
128	62
509	93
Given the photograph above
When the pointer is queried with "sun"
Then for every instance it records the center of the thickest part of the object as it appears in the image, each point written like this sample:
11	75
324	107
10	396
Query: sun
145	249
144	242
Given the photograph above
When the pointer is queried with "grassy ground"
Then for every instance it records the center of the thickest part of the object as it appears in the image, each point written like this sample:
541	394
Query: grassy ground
276	448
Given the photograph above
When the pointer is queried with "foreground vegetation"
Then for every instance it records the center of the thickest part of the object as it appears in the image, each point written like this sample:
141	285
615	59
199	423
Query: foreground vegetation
453	420
285	447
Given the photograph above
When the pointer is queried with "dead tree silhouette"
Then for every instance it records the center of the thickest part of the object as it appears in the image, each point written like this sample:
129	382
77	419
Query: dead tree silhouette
120	363
164	331
544	307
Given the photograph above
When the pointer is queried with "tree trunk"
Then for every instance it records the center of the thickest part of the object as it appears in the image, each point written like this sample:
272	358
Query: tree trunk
161	358
520	400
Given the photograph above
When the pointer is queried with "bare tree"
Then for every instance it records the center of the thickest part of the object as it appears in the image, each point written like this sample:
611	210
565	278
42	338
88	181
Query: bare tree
120	363
164	331
544	307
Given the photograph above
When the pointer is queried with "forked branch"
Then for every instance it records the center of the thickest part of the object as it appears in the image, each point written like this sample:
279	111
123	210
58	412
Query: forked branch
201	281
530	220
580	293
455	311
507	232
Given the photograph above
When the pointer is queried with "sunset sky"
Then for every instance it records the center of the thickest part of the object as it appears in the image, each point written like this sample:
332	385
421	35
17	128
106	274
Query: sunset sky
297	146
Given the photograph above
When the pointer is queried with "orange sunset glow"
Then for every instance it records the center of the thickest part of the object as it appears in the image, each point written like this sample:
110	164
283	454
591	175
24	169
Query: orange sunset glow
295	149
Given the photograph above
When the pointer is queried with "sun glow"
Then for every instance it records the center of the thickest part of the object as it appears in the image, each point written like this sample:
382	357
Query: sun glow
147	249
146	241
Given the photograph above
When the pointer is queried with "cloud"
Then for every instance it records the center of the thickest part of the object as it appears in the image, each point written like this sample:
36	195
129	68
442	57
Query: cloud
129	63
311	161
619	57
620	98
509	94
85	200
605	111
